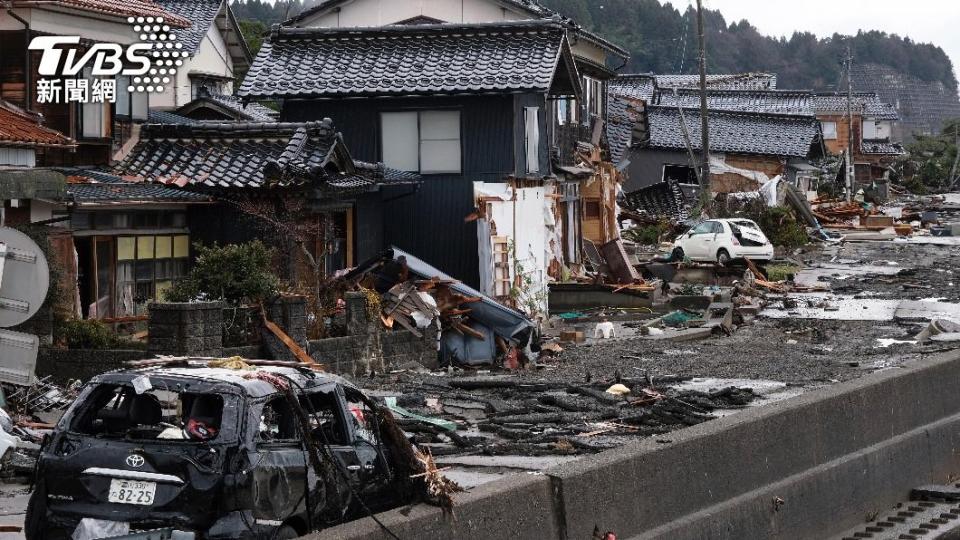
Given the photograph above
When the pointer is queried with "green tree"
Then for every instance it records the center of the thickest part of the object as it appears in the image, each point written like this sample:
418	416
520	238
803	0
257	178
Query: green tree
253	32
238	274
932	162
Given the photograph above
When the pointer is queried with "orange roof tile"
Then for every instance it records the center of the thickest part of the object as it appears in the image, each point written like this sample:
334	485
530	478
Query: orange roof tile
119	8
19	129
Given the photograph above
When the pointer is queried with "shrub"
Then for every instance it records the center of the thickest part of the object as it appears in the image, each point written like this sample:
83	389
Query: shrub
236	273
87	334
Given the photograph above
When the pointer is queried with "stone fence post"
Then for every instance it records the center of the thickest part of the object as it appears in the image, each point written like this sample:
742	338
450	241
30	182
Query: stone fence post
186	329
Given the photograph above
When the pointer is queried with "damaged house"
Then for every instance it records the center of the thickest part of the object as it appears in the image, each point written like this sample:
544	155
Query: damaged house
872	123
747	148
486	99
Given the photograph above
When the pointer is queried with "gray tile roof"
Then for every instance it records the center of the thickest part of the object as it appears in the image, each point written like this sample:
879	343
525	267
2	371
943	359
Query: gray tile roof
199	12
634	87
247	155
866	103
792	102
165	117
131	192
734	81
744	133
400	60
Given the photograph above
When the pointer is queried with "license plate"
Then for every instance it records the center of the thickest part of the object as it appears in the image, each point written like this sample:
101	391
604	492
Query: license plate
132	492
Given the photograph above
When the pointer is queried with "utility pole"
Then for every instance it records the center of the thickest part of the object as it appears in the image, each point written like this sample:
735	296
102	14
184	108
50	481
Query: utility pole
849	157
705	192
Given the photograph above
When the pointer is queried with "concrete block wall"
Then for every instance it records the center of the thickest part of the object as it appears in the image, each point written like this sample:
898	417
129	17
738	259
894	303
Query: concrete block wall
186	329
62	365
808	467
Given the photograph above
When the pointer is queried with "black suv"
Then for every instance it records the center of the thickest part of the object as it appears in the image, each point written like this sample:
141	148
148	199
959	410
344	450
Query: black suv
269	452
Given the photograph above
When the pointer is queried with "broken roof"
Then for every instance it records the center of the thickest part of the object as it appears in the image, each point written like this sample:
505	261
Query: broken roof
863	103
409	60
881	146
245	155
792	102
621	118
634	86
116	8
20	128
94	187
737	132
734	81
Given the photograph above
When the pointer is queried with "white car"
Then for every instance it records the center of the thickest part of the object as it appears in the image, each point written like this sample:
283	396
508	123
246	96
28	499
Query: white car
722	240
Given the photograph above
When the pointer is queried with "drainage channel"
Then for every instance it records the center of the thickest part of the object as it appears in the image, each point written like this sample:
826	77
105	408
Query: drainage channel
933	513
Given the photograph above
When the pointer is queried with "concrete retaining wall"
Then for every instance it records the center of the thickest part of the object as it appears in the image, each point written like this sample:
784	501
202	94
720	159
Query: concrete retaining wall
832	456
66	364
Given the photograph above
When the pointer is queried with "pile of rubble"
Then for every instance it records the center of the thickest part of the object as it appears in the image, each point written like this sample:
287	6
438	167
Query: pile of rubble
30	413
509	416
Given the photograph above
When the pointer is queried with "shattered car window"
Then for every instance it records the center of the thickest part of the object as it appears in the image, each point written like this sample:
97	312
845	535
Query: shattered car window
118	411
277	421
326	421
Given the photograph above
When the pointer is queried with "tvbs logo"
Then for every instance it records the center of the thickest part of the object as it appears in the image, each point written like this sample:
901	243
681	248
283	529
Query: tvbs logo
104	59
149	64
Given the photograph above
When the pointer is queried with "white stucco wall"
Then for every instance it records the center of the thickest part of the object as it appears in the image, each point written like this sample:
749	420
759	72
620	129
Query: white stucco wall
383	12
72	23
211	58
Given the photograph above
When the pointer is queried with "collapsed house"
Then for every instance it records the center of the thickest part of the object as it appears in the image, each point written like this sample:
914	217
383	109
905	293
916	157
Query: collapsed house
747	149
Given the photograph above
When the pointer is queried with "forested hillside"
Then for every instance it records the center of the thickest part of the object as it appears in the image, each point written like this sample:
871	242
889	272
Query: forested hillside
662	39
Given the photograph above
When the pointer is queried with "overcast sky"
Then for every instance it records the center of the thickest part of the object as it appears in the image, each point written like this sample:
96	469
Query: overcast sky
927	21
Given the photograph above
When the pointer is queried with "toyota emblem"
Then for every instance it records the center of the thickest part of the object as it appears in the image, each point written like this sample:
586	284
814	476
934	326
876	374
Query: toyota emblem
135	460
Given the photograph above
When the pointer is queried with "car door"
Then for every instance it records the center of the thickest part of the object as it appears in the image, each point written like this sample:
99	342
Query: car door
280	465
695	244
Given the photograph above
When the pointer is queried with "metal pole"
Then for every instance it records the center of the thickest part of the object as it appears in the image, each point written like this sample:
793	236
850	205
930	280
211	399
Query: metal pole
705	193
850	167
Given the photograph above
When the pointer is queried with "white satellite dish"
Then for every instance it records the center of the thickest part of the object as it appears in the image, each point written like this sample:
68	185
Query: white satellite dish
24	281
24	277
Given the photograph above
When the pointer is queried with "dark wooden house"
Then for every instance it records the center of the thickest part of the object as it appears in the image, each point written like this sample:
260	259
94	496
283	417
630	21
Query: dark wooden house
457	104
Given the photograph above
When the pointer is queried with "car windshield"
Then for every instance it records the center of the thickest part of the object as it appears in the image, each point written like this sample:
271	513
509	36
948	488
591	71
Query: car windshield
161	411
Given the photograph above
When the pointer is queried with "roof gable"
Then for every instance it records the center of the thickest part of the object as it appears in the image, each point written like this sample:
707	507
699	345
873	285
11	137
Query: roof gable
211	106
203	15
413	60
520	7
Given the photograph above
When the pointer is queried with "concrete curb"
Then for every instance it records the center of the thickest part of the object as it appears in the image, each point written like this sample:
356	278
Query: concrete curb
833	456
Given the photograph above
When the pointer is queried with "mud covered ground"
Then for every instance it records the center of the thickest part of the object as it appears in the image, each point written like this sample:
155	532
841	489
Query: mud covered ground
560	408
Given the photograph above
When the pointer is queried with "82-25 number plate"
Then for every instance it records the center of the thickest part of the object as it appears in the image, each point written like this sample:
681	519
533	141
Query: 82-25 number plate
132	492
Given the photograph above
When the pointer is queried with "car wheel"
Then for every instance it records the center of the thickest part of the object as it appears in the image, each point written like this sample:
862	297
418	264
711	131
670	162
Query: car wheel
285	532
723	257
677	255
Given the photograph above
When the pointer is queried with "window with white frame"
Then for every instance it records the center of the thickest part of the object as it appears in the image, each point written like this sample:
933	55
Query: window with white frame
531	137
829	130
593	92
421	141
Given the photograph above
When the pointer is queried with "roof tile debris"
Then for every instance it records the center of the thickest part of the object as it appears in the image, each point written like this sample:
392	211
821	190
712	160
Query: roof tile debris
881	146
621	118
747	133
201	13
398	60
20	128
117	8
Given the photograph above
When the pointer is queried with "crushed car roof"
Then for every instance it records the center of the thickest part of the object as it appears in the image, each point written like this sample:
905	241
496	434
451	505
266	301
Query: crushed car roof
245	380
